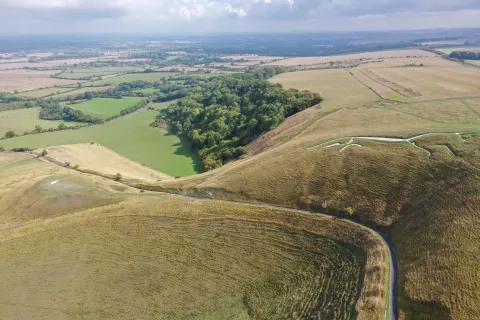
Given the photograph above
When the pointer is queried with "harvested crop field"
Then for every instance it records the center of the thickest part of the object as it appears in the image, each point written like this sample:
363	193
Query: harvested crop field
40	93
130	136
97	158
79	73
423	82
105	107
355	57
26	80
46	64
338	87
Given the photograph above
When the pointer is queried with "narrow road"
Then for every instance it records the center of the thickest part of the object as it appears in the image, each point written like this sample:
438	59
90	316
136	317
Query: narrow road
391	308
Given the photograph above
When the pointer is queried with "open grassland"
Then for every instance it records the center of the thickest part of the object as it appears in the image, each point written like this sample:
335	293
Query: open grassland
79	73
22	120
150	77
40	93
95	158
338	87
130	136
27	80
70	246
378	55
105	107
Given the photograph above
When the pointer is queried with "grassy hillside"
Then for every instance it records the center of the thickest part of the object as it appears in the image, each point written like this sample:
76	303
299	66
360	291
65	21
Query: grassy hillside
425	195
72	246
129	136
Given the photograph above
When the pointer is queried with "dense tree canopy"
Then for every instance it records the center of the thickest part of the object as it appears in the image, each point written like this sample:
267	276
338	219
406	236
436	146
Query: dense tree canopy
224	114
465	55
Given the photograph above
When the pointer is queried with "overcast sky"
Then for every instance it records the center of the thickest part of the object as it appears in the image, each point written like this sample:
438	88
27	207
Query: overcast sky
186	16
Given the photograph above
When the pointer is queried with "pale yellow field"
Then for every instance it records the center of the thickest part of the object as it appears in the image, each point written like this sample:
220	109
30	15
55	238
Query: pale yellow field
337	86
94	157
433	82
26	80
356	57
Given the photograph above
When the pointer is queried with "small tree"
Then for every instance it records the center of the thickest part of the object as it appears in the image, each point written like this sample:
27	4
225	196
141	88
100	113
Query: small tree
67	164
10	134
118	177
38	129
62	126
44	153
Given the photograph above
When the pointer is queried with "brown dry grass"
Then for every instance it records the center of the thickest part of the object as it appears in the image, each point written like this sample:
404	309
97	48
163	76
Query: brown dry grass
26	80
97	158
172	258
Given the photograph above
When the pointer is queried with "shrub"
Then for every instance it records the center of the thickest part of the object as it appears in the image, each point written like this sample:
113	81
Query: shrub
67	164
76	166
10	134
118	177
44	153
348	212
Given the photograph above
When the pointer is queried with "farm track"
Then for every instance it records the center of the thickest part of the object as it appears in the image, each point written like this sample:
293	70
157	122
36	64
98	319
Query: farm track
391	308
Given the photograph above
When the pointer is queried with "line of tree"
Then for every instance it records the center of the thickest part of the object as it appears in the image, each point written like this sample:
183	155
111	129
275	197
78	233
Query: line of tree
224	114
465	55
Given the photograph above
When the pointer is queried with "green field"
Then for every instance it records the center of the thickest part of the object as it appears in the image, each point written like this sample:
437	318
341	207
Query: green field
22	120
147	90
129	136
78	73
105	107
40	93
151	77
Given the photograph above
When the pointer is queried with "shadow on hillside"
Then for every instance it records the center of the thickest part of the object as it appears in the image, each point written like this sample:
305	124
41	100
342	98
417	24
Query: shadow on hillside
183	148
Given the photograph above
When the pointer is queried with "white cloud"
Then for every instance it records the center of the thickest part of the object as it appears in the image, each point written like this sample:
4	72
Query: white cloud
231	14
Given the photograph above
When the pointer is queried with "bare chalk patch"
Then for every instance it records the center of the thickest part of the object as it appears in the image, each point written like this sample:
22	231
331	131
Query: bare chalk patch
53	182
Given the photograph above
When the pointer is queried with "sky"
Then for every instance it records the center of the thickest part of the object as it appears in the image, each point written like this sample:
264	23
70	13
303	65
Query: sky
206	16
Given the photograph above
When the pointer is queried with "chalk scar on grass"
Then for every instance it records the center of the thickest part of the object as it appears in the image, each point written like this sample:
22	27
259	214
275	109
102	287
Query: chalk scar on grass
350	145
53	182
332	145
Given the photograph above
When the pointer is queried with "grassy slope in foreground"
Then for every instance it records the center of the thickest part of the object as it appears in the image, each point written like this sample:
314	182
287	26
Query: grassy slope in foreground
129	136
175	258
22	120
105	107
